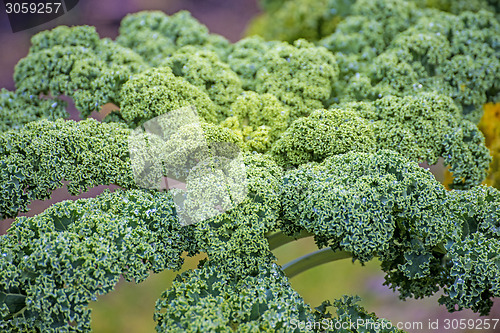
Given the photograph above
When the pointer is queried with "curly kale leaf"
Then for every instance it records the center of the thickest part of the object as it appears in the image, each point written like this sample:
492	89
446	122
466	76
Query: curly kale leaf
156	36
423	127
427	126
294	19
465	265
301	76
208	299
459	6
389	47
75	62
54	264
474	257
396	16
350	312
36	159
157	91
324	133
383	205
258	119
358	202
236	239
475	271
467	156
246	58
18	109
206	71
452	55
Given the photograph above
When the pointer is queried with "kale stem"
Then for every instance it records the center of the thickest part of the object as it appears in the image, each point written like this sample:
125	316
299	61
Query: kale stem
18	313
313	259
278	239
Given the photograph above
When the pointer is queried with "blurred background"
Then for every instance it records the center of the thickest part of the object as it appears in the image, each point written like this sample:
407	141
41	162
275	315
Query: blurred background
130	307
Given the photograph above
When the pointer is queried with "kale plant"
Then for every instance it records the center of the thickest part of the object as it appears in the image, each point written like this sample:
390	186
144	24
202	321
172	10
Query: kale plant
315	130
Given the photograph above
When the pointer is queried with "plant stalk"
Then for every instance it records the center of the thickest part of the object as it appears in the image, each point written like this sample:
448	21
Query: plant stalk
313	259
278	239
